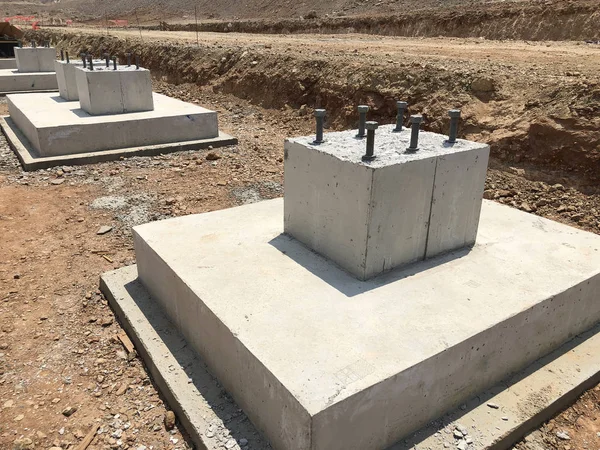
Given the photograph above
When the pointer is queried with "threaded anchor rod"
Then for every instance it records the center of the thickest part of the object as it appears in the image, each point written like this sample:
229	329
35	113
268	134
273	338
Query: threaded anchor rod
414	135
454	119
320	121
370	154
401	109
362	120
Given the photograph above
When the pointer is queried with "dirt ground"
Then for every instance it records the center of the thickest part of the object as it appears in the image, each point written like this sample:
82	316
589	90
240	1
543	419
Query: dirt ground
63	367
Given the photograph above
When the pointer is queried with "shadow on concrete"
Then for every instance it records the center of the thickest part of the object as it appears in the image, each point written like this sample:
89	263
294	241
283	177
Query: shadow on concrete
343	281
506	441
230	415
58	99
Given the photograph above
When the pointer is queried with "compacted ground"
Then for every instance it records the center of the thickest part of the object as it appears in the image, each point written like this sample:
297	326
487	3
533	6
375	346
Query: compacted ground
65	366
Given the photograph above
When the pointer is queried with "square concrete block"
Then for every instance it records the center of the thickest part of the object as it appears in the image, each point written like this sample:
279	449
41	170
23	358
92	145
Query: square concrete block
54	126
65	76
39	59
319	360
370	217
457	196
106	91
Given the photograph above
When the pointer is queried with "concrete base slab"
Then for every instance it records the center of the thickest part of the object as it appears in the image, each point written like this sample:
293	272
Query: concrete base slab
8	63
320	360
56	127
527	399
12	82
30	160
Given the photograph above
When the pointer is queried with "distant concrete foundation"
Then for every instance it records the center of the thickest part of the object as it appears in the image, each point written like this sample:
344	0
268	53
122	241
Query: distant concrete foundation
35	59
107	91
117	115
55	127
34	71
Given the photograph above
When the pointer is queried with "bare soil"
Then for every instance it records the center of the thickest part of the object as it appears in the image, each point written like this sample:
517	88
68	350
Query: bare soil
59	344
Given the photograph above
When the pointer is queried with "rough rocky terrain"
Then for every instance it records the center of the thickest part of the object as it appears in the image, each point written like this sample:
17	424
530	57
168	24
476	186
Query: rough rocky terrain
65	367
493	19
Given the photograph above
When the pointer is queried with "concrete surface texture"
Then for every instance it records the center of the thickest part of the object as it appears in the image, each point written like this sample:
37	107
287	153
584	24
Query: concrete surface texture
107	91
320	360
65	77
554	381
55	127
370	217
11	80
8	63
39	59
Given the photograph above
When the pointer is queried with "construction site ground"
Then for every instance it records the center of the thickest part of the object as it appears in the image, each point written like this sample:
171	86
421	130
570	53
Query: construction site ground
65	365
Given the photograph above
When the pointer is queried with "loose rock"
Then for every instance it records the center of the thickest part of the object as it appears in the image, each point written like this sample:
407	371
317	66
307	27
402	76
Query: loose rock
169	420
563	435
23	444
104	229
67	412
212	156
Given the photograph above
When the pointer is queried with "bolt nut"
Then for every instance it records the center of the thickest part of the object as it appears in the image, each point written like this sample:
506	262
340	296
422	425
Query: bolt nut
416	119
363	109
401	105
371	125
454	113
320	112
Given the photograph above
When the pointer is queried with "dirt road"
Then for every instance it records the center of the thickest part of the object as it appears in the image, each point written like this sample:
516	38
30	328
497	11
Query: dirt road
554	57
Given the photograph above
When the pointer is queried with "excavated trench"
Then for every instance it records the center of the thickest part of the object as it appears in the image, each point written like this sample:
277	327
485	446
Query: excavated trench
550	123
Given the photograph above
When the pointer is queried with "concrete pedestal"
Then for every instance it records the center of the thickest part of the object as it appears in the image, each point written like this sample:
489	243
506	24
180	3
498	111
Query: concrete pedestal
65	77
370	217
12	81
321	361
107	91
38	59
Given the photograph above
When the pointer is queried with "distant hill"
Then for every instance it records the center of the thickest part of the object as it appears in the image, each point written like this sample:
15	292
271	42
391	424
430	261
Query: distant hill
183	10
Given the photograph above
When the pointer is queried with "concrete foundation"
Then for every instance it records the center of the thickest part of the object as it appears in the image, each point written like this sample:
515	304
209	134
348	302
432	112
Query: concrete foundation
320	360
56	127
31	160
38	59
12	81
107	91
370	217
